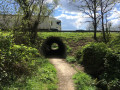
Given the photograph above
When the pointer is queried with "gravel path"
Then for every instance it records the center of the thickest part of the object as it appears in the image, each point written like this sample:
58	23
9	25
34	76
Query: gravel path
64	73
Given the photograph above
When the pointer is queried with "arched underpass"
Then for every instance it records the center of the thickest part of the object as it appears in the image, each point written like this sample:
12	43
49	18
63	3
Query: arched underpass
53	47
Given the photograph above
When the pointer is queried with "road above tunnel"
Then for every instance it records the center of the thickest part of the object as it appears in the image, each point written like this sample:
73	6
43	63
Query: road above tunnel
64	73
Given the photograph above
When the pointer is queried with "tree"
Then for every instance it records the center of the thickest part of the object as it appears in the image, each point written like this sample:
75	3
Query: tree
90	8
90	26
95	9
105	7
7	9
38	9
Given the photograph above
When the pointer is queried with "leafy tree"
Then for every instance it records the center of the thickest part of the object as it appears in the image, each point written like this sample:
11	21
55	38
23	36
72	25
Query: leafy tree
38	9
28	13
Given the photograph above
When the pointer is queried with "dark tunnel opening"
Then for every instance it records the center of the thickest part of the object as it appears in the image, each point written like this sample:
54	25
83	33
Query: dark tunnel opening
53	47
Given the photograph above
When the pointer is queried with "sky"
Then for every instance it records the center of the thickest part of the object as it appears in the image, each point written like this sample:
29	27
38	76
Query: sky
72	19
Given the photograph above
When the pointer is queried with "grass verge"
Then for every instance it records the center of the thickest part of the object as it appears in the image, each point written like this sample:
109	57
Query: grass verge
43	79
83	81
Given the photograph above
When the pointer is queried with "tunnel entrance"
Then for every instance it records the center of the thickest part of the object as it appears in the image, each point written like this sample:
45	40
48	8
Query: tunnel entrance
53	47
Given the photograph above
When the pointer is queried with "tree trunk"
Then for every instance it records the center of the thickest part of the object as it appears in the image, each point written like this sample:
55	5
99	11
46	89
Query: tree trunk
34	32
102	17
95	23
95	32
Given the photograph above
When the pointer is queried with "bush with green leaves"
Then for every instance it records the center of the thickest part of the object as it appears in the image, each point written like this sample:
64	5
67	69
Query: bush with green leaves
110	79
78	55
69	49
92	57
15	60
5	42
22	38
112	65
84	82
115	44
44	78
70	59
103	63
113	84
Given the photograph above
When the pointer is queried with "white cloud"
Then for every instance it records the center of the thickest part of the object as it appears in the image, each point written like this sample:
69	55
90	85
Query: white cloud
115	18
68	6
114	14
73	19
48	1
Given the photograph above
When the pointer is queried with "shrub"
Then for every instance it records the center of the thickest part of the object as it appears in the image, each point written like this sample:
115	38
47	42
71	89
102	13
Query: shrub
109	85
70	59
114	85
5	42
115	44
108	72
78	56
69	49
111	75
15	60
93	58
112	65
22	38
84	82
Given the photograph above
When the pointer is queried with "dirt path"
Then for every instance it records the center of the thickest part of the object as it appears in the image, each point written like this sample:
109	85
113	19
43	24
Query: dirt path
64	73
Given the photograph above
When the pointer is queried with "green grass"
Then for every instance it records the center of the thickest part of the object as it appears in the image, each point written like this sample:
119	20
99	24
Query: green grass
44	79
71	35
70	59
83	82
67	35
69	38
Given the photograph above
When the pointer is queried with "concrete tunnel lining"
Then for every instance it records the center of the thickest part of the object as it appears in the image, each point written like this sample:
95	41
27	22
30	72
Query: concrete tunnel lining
47	50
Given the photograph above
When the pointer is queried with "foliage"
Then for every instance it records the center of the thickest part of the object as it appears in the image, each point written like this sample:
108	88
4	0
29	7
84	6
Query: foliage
113	84
15	60
93	57
112	65
111	75
22	38
102	63
84	82
115	44
5	42
21	69
70	59
78	55
69	49
44	78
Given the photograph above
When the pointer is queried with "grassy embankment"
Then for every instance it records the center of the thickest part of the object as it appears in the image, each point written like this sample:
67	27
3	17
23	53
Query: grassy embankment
75	42
44	76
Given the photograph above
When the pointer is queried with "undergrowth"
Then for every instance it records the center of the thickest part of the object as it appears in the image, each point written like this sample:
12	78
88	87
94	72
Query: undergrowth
70	59
84	82
23	68
42	79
